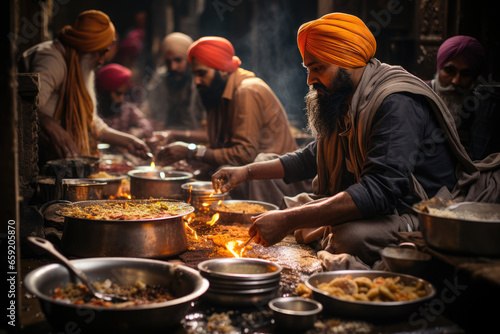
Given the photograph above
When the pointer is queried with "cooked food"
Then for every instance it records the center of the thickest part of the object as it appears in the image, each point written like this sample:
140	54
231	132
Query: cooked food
380	289
242	207
101	175
138	294
124	210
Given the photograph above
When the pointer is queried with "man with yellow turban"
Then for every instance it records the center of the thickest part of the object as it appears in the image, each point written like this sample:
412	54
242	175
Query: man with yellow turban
384	140
67	101
245	118
172	101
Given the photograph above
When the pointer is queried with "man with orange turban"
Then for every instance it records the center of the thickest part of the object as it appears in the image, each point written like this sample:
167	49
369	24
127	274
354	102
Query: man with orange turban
245	117
67	102
384	140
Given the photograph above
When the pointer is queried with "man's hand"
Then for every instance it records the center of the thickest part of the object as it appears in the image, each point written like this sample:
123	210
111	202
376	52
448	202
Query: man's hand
62	143
269	228
172	153
227	178
137	147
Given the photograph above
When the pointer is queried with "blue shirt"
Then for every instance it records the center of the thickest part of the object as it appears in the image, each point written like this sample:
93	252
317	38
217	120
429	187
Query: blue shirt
406	139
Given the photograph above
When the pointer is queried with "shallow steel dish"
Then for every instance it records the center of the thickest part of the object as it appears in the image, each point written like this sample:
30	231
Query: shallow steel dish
226	217
186	283
378	311
466	228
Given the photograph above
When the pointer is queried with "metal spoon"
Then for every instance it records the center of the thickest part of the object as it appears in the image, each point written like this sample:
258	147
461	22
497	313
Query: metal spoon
49	247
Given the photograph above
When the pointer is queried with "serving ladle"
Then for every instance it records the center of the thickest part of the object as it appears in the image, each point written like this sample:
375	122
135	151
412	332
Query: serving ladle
49	247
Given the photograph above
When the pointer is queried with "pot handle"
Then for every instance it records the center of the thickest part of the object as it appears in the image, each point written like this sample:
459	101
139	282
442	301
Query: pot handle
409	245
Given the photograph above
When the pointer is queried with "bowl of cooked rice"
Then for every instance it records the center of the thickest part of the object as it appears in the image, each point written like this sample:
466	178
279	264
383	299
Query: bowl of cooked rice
240	211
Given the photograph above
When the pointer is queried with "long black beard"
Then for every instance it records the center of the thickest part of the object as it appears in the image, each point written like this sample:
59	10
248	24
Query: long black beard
177	83
211	96
323	111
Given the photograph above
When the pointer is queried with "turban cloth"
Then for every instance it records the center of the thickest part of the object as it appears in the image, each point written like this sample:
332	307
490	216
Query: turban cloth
468	47
176	43
92	31
215	52
131	45
339	39
112	76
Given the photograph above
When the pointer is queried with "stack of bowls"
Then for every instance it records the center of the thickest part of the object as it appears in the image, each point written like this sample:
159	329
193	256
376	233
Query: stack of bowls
241	281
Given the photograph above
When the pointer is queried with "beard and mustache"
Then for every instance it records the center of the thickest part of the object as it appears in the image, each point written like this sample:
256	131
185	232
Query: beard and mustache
453	96
177	80
211	95
323	111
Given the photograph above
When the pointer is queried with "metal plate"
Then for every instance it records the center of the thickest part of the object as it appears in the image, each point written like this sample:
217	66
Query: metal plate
226	217
367	310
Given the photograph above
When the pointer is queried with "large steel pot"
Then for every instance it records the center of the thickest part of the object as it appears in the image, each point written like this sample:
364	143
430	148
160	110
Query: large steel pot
467	228
146	238
185	283
158	183
73	190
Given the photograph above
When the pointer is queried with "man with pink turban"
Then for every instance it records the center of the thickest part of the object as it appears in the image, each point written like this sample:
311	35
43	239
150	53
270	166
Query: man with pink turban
113	85
245	118
460	61
384	141
67	102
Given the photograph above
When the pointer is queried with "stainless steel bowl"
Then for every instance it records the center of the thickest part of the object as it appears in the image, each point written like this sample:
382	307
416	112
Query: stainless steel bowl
406	259
229	218
158	183
466	228
240	281
73	190
240	269
186	283
378	311
200	194
295	313
113	184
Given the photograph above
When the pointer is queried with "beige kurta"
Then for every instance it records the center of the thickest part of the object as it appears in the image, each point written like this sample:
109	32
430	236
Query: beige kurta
249	120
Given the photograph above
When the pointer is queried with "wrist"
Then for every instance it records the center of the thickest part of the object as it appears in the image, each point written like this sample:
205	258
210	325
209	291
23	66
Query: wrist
200	152
191	151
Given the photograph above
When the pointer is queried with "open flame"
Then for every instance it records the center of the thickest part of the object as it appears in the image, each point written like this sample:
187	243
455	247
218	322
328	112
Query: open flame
153	165
188	220
231	245
214	219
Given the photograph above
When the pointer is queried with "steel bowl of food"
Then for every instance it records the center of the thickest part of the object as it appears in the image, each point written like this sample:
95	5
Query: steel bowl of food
113	182
295	313
240	211
151	228
159	294
200	194
370	294
467	228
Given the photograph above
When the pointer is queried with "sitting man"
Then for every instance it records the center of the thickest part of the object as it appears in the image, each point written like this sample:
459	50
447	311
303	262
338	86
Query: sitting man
113	85
460	62
172	101
244	118
67	100
384	140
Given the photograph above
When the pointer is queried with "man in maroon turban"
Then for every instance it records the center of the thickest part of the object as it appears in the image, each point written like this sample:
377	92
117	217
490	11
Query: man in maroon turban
113	85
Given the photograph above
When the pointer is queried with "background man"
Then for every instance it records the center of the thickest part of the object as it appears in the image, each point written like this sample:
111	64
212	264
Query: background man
172	101
460	61
113	85
244	118
67	101
374	125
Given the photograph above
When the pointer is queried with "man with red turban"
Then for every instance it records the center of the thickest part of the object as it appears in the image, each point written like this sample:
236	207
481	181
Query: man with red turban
460	61
67	102
245	117
384	140
113	85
